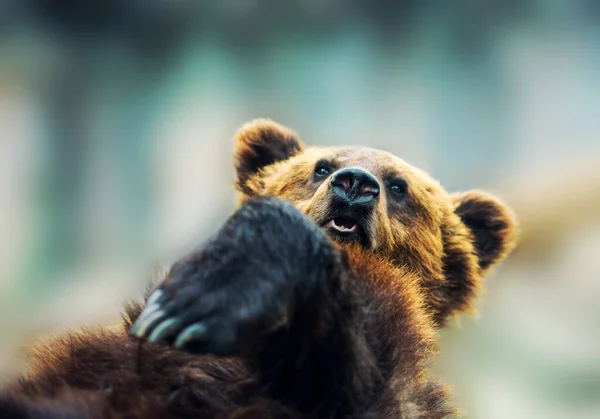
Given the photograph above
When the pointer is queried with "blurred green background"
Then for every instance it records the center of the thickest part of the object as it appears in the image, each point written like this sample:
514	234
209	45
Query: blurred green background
116	124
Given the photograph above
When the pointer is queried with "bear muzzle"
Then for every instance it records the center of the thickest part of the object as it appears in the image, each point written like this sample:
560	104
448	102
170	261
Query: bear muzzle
355	187
352	198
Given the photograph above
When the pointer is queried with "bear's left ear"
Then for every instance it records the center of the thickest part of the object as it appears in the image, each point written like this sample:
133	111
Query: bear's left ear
491	222
260	143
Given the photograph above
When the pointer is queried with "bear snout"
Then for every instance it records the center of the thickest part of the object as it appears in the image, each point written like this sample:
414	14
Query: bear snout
355	186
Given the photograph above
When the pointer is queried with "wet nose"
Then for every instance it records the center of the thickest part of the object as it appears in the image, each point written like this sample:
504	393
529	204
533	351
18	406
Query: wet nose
356	186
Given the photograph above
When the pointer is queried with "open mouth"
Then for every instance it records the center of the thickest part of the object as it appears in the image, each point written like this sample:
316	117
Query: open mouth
344	225
346	229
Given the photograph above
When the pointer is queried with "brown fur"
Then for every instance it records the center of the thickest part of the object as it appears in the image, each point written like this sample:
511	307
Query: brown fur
424	262
452	240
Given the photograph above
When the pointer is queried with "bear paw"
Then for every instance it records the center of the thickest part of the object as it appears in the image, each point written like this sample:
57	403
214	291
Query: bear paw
224	320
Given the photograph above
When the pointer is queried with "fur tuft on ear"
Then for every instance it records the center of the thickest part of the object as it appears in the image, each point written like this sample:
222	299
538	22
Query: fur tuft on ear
492	223
260	143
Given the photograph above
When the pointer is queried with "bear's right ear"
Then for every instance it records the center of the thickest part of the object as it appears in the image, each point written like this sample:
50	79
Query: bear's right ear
260	143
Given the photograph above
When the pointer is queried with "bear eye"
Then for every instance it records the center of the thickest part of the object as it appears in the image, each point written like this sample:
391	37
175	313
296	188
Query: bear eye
399	188
322	170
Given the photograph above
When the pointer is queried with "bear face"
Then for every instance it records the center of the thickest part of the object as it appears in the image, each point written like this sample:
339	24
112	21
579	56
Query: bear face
371	199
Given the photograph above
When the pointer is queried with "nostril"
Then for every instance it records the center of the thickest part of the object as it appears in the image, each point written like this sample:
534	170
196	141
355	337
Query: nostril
346	183
369	189
343	180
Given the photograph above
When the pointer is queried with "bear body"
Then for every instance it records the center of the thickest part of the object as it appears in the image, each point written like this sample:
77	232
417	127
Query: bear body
318	298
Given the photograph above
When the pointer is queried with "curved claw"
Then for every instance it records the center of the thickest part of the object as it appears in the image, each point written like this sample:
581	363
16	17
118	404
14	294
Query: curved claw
149	309
196	331
144	322
165	329
154	297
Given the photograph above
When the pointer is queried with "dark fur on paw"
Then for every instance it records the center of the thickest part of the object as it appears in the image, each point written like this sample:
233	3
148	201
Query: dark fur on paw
205	317
241	287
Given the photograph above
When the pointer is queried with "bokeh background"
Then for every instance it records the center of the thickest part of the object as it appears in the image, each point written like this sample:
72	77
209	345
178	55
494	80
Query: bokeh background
116	124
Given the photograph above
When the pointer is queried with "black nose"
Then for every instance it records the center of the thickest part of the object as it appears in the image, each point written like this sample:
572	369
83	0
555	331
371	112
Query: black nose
355	186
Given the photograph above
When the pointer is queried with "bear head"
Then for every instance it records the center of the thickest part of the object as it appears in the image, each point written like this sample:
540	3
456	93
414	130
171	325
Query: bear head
370	198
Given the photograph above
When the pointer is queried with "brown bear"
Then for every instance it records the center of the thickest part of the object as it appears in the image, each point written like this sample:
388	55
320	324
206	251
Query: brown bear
318	298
